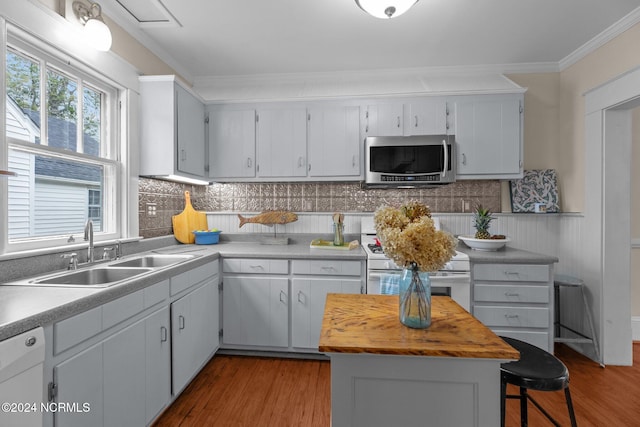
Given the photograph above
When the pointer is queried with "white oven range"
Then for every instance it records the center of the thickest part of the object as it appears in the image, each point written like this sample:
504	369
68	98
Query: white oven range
453	280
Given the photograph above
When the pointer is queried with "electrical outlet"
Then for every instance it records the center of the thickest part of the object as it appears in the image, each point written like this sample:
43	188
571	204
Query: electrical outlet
151	209
466	205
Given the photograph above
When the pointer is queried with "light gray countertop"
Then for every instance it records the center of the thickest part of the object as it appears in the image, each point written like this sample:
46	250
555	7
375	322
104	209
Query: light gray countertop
25	307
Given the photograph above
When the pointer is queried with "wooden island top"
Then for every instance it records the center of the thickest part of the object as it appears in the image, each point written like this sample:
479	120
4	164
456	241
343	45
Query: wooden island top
365	323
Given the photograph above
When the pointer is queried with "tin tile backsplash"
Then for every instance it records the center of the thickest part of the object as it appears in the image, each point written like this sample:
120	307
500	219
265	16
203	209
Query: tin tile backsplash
160	200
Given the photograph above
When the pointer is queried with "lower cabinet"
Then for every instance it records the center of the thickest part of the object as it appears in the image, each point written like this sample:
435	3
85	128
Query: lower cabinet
121	381
308	297
194	333
256	311
278	304
515	300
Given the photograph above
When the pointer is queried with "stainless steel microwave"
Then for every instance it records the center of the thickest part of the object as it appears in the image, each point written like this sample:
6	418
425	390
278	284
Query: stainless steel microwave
409	161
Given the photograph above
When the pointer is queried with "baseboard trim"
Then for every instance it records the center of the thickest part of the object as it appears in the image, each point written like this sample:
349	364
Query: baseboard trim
635	328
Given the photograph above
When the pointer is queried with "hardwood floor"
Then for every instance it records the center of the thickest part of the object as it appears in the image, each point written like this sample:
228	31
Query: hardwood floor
255	391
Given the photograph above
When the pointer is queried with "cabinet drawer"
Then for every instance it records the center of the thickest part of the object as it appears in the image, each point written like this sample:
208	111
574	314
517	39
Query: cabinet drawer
512	272
258	266
539	339
511	293
518	317
121	309
327	267
76	329
192	277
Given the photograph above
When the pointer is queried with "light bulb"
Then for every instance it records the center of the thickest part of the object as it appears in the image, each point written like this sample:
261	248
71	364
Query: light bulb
98	34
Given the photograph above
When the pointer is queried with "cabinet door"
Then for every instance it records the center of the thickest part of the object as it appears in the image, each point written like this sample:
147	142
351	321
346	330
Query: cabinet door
123	376
232	144
79	379
308	298
194	333
282	143
158	363
256	311
334	141
489	138
426	117
384	120
190	133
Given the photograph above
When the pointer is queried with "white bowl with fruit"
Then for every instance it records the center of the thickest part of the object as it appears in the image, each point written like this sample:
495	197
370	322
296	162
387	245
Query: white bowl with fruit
483	240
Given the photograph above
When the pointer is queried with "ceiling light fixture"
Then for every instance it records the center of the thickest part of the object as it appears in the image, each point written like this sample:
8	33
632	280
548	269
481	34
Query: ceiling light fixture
97	33
385	9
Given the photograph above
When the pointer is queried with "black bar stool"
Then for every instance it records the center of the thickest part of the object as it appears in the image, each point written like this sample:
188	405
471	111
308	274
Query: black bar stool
536	370
564	281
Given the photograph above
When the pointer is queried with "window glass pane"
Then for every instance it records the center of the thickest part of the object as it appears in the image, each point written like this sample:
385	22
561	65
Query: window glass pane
53	196
91	121
62	111
23	100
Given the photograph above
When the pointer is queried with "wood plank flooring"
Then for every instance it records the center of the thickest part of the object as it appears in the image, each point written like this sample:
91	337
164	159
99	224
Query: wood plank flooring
255	391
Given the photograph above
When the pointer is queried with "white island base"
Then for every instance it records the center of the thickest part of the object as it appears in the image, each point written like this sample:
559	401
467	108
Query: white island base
369	390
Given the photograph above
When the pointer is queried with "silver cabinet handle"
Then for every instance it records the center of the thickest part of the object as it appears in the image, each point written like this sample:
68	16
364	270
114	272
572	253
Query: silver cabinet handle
282	294
300	297
183	154
511	316
180	322
327	268
416	125
163	334
30	341
256	267
464	159
300	160
249	162
511	294
398	121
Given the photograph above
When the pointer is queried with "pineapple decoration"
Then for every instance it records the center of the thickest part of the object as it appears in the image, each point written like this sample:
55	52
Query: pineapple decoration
481	221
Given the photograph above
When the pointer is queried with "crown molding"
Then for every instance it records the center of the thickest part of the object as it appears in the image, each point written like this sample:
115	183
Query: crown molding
598	41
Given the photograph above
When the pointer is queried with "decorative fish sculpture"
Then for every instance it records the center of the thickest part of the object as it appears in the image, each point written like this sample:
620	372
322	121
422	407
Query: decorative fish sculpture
269	218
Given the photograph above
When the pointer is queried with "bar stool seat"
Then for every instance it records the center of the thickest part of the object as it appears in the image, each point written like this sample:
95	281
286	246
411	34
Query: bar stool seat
536	370
561	280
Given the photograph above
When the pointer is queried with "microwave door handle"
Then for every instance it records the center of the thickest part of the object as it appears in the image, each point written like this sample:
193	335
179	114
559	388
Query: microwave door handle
446	158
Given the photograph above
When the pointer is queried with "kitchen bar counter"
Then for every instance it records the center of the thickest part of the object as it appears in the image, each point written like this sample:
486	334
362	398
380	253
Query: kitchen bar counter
506	255
385	374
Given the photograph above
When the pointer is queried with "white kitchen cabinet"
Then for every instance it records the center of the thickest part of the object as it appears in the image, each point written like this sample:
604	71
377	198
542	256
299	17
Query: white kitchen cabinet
194	333
79	379
172	129
488	130
123	379
308	297
255	311
281	143
515	300
232	143
428	116
384	119
334	141
158	363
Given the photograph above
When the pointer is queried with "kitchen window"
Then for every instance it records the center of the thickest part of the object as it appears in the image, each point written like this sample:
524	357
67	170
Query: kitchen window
61	127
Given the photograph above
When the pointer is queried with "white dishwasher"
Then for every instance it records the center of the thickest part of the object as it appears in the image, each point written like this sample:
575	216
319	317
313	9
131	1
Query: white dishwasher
21	379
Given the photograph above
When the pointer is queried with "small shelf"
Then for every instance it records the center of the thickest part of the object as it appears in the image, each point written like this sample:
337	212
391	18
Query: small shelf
8	173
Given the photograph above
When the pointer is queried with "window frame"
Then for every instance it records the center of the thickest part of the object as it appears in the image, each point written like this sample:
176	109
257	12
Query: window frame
115	152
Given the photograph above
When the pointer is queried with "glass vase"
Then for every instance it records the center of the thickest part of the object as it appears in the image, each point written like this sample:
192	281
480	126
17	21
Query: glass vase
414	291
338	234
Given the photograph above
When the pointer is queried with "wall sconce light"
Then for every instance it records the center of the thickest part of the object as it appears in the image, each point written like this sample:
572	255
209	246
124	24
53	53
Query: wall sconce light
385	9
97	33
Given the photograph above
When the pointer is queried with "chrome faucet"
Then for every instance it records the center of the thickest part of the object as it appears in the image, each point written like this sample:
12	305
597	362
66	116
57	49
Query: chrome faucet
88	235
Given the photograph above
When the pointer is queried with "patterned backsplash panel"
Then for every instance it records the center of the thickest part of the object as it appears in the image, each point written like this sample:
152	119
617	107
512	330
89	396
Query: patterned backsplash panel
160	200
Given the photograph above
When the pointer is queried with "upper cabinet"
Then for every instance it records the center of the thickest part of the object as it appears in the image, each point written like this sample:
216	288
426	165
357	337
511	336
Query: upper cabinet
232	143
282	142
172	129
488	132
334	141
419	116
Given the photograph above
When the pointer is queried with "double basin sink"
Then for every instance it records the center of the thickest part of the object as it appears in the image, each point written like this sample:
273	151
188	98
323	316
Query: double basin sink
105	276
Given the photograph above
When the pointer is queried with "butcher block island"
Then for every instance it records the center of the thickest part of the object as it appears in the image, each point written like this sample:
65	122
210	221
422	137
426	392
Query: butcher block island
384	373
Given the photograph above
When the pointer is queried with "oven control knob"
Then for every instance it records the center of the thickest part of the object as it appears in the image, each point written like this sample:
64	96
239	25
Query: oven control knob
448	266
